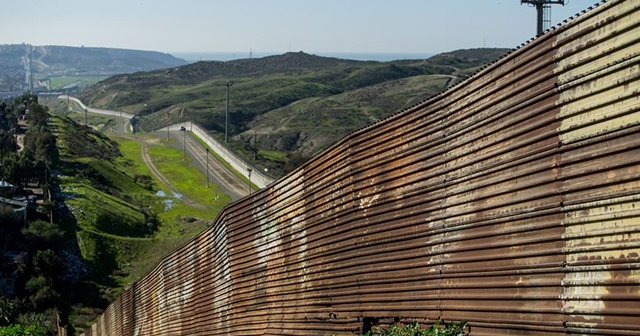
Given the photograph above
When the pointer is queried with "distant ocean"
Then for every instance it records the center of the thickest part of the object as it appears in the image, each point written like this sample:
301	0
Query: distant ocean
229	56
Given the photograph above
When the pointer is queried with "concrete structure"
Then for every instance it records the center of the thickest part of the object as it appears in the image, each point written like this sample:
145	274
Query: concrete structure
258	178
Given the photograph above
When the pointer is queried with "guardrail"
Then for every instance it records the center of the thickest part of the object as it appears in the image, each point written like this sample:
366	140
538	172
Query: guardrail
258	178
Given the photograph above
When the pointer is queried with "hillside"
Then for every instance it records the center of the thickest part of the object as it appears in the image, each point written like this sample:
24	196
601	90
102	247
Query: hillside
122	217
291	103
312	124
27	67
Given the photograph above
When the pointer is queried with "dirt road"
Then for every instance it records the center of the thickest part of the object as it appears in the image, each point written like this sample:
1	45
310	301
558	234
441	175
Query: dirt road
147	160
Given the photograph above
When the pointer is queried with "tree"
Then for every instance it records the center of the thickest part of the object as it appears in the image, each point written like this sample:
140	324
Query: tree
41	143
10	168
9	310
38	115
22	102
43	235
47	263
7	143
42	293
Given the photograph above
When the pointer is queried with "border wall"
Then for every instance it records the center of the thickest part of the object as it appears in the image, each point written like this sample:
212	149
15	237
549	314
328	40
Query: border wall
257	177
239	164
512	201
97	110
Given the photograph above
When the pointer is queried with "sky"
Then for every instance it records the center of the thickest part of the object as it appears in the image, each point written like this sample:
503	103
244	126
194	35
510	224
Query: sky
312	26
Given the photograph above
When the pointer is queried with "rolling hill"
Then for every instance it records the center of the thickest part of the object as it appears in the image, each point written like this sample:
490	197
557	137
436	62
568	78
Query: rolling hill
291	103
28	67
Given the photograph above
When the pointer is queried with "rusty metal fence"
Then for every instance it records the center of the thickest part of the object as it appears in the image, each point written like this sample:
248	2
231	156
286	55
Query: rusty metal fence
512	201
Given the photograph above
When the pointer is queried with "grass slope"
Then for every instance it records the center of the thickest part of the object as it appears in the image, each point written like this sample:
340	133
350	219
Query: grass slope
312	124
276	102
125	223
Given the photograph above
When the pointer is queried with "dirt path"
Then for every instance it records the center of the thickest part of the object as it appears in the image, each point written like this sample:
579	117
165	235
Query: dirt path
147	160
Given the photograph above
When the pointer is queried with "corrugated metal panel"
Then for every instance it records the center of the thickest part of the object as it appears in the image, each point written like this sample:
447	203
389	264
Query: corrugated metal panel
510	201
600	112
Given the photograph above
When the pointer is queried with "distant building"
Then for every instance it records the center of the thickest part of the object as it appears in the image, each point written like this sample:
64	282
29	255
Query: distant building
20	208
6	188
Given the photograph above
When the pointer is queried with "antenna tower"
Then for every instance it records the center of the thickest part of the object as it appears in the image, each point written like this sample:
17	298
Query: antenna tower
543	7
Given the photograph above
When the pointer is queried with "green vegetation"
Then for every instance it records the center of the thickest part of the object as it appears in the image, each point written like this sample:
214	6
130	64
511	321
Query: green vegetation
439	328
297	104
180	172
273	155
37	253
20	330
63	82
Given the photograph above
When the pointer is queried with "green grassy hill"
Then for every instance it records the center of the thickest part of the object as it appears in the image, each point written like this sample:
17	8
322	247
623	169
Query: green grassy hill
293	103
312	124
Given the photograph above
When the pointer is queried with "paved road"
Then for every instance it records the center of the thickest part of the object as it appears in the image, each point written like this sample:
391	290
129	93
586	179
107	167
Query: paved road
218	174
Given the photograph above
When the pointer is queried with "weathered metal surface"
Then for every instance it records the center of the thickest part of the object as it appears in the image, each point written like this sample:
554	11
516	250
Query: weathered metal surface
511	201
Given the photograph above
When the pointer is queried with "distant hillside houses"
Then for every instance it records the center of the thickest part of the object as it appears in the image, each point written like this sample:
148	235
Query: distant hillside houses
20	208
21	204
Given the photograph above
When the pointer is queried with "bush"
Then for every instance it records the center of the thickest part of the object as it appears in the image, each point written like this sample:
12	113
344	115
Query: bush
6	213
20	330
144	180
42	292
440	328
47	320
43	235
9	310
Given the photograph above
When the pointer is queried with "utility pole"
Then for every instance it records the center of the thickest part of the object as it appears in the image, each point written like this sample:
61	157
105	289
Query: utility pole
249	170
543	7
184	144
226	120
207	149
85	116
255	144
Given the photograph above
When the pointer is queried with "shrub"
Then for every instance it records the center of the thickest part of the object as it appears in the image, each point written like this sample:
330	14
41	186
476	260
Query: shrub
144	180
9	310
20	330
6	213
42	292
440	328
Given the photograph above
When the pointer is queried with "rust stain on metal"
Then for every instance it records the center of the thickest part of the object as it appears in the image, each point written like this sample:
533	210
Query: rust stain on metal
511	201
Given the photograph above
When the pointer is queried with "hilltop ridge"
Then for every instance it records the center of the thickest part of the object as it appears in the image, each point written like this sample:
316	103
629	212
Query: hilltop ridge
294	103
25	67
